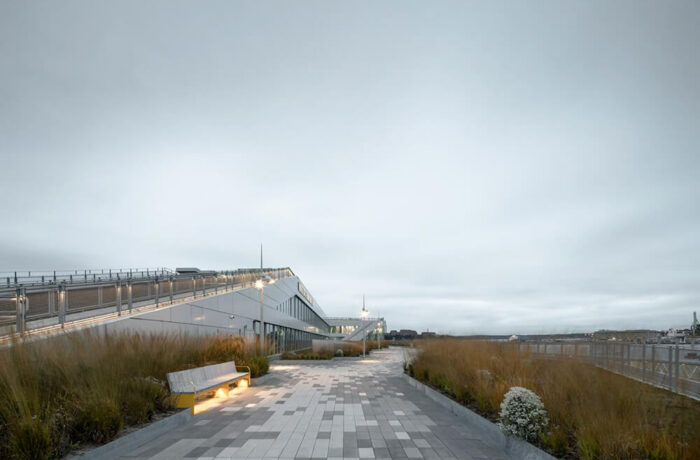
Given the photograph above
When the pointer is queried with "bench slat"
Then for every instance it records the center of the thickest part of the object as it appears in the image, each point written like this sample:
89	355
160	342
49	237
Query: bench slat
204	378
213	383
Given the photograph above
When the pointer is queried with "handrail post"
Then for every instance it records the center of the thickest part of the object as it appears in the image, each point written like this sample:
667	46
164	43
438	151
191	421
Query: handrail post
51	297
670	367
62	304
678	369
130	300
118	295
21	297
156	285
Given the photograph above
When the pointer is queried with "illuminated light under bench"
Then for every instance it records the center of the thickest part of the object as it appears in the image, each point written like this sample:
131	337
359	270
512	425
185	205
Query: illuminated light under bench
187	385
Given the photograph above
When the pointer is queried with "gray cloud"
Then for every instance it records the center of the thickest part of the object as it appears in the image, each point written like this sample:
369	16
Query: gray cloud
471	166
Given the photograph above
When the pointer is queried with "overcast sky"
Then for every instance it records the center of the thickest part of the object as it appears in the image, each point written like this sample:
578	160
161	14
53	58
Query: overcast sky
473	167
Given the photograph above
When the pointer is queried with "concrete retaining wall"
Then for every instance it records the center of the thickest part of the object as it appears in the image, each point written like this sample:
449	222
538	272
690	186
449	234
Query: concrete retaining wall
327	345
138	438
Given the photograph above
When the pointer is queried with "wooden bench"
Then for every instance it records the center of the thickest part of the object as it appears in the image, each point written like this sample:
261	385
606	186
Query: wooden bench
186	385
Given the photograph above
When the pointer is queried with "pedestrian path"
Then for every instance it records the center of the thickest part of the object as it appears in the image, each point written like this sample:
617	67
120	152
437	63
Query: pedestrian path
345	408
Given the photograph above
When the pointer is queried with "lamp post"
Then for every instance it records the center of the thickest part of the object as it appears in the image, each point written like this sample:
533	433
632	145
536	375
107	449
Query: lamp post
260	285
363	315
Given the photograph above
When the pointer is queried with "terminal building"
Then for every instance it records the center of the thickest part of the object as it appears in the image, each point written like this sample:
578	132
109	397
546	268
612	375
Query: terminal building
270	302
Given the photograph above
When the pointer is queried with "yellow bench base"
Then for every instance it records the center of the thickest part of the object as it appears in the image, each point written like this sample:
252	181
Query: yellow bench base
188	399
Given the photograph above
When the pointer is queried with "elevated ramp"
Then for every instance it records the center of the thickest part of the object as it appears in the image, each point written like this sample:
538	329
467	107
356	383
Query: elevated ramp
366	328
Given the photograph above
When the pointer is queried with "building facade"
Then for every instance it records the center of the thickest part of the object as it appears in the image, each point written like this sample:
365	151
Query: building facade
187	301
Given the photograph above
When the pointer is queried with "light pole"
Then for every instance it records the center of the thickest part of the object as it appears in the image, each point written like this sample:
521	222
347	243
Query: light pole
260	285
363	314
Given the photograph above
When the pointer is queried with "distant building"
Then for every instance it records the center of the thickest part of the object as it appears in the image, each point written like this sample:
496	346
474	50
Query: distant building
636	335
403	334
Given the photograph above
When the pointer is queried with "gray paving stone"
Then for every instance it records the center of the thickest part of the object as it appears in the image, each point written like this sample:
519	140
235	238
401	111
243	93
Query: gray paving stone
347	408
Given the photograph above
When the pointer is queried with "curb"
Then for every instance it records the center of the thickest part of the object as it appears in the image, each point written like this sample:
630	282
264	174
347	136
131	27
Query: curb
261	380
135	439
515	448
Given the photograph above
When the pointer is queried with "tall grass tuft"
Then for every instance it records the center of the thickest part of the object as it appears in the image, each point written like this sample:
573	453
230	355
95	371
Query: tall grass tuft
84	387
594	414
335	349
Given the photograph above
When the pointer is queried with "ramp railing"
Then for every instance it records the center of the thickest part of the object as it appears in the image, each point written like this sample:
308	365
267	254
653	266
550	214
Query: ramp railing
40	301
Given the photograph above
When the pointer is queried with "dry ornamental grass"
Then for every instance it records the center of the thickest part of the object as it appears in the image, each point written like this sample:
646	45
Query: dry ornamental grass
594	414
84	387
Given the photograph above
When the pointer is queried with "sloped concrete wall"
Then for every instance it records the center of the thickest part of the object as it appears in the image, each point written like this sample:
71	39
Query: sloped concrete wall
228	313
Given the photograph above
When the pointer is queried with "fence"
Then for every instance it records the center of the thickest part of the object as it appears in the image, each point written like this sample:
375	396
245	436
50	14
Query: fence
673	367
44	302
43	277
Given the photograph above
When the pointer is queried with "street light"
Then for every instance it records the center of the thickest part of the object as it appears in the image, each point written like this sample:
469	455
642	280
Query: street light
364	312
363	315
260	285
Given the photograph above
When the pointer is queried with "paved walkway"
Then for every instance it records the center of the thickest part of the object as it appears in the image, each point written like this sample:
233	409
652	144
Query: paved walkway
345	408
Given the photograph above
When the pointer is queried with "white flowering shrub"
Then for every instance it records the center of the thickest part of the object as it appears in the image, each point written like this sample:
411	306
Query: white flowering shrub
523	414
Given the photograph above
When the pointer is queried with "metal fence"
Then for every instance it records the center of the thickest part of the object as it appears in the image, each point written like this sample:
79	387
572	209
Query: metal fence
43	277
673	367
48	301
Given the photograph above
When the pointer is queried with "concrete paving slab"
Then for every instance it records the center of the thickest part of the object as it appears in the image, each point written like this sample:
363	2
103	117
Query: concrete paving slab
344	408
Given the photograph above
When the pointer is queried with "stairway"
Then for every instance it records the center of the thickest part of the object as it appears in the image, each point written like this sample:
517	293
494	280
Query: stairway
361	332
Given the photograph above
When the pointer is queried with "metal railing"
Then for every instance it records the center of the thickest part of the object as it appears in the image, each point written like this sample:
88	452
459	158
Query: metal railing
42	277
672	367
362	331
342	318
45	303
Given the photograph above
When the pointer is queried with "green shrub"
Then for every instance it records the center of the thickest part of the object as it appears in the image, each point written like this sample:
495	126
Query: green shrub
589	448
97	420
438	381
557	442
30	439
259	365
141	398
308	355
